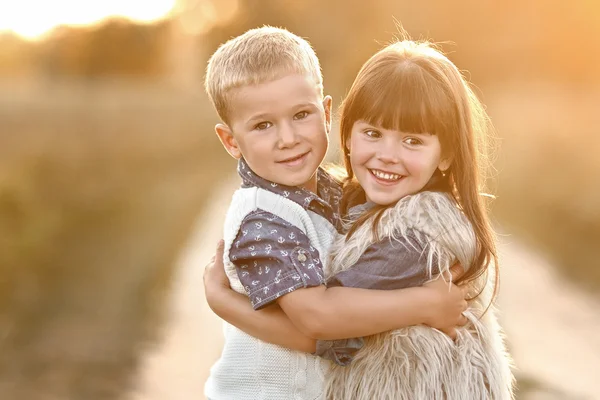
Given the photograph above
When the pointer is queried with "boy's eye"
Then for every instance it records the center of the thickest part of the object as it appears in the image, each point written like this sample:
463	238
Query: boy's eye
372	133
262	126
301	115
413	141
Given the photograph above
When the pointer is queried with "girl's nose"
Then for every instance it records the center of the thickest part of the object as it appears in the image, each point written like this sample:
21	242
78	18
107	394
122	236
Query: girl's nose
388	153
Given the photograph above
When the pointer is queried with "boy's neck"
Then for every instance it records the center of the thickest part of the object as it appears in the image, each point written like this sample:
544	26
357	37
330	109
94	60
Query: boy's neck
311	185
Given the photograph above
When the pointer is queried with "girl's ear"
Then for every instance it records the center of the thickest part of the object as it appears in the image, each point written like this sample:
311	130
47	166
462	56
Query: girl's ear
226	137
445	164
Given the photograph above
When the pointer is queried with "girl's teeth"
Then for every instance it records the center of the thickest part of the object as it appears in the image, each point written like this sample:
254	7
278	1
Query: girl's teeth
383	175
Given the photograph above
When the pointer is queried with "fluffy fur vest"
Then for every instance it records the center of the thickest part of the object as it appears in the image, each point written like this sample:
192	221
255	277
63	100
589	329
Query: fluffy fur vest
421	363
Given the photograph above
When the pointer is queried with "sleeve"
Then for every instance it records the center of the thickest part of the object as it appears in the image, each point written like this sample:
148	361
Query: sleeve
388	264
340	351
272	258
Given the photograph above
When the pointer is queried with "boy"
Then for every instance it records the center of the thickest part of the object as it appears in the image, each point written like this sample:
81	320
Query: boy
266	86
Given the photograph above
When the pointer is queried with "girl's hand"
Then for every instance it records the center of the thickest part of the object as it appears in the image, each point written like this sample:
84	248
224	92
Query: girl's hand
215	279
448	303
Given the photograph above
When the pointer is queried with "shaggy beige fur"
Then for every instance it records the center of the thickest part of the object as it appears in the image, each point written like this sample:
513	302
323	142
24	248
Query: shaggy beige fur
420	362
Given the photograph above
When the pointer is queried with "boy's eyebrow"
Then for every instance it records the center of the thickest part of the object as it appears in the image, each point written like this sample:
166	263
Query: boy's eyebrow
257	117
307	104
263	116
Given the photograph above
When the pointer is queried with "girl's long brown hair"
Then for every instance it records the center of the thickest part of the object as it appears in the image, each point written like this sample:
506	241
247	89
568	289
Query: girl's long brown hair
411	86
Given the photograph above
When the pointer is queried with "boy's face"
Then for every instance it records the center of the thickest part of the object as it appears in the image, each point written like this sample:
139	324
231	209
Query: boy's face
280	127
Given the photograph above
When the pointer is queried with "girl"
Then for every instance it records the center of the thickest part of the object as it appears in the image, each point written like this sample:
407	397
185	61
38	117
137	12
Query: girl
411	130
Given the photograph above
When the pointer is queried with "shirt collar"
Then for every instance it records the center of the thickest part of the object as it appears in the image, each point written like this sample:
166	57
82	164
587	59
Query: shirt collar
325	202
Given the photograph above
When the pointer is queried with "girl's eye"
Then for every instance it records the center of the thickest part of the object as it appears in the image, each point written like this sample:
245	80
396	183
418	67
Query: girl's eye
301	115
263	125
373	133
413	141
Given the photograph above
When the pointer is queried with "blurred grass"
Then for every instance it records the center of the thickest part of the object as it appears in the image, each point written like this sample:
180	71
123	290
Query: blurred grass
100	184
549	172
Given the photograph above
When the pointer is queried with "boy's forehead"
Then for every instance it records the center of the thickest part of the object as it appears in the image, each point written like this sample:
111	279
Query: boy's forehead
281	93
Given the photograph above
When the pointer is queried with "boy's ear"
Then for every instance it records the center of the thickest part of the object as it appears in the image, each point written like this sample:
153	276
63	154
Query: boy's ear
226	137
327	107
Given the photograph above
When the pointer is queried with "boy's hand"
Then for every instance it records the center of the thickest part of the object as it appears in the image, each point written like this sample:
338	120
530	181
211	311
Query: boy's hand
214	273
448	303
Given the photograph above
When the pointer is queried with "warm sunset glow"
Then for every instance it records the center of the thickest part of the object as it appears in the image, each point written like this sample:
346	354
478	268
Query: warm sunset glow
32	19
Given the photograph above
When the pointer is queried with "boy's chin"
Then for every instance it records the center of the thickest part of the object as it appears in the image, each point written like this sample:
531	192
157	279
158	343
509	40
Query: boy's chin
295	181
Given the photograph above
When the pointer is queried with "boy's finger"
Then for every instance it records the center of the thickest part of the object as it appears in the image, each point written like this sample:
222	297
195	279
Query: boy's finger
220	248
218	258
218	254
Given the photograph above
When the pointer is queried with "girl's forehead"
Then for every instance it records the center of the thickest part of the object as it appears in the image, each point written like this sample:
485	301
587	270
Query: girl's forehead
362	124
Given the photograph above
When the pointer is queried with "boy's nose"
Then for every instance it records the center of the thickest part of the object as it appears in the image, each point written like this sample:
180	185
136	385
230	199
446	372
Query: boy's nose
287	137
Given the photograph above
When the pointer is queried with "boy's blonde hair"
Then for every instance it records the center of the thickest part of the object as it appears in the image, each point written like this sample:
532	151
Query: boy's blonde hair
257	56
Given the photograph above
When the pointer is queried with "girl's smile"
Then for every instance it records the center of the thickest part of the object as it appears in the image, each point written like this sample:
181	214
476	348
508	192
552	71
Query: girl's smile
385	177
391	164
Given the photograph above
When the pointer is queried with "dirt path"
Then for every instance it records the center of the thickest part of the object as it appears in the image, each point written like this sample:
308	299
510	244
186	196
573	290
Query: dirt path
553	329
179	366
552	326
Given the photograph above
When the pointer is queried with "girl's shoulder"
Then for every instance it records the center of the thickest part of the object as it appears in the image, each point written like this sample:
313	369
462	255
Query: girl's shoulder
432	213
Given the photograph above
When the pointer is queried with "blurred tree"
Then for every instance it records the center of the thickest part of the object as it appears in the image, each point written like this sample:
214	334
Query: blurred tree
116	48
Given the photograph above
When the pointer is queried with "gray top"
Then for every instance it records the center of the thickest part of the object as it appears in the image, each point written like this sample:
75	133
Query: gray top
391	263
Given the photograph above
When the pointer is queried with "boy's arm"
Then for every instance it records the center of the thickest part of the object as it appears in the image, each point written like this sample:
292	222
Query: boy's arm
269	324
395	264
342	312
274	268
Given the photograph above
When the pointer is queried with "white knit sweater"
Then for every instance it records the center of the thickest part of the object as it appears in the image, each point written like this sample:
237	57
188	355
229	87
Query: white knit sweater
250	369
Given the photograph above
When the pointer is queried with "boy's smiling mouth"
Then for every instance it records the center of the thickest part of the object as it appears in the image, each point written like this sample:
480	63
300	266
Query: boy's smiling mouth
294	161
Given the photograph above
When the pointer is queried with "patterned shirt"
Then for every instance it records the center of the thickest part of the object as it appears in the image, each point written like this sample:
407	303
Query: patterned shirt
273	257
388	264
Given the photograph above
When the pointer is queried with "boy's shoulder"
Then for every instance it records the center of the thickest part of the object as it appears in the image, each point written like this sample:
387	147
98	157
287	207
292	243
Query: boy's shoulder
256	205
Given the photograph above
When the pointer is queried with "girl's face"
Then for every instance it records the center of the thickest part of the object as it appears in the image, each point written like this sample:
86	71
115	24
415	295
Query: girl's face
391	164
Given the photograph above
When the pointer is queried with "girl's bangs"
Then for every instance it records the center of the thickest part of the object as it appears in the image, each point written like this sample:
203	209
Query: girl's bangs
406	99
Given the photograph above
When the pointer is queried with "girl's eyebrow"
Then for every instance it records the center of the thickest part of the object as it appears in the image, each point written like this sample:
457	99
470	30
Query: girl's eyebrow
363	122
417	133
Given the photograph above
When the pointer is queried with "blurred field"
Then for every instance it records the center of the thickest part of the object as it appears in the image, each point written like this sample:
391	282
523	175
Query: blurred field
101	183
549	172
105	167
99	187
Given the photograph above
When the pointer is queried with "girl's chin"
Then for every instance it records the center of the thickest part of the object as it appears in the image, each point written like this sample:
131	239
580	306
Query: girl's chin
382	200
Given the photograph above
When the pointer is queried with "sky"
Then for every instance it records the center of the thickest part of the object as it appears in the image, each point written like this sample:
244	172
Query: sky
33	19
